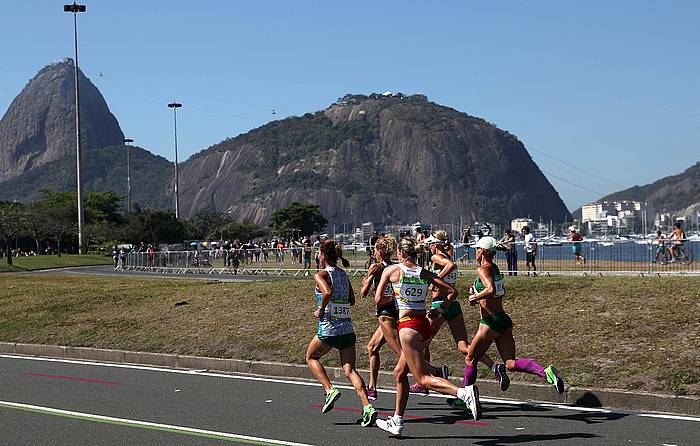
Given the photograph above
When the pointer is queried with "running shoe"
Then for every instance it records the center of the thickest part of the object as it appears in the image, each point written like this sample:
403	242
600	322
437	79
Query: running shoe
390	426
331	397
417	389
554	379
472	401
442	372
369	416
371	394
501	376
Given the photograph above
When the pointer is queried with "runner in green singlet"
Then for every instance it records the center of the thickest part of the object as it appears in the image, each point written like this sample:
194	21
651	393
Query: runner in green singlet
495	325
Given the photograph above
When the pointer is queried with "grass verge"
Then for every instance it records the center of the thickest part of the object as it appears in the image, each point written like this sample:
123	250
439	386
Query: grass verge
42	262
617	332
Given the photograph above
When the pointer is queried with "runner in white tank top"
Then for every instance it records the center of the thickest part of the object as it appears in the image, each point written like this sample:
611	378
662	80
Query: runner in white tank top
410	283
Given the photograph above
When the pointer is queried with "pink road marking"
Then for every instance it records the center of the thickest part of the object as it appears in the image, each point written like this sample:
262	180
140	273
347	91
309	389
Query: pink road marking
410	417
71	378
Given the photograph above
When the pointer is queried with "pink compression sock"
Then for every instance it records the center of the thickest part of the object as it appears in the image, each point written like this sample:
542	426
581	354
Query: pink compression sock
529	366
469	374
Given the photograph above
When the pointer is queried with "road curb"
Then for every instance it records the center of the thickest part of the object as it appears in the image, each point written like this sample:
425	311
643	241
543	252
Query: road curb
576	396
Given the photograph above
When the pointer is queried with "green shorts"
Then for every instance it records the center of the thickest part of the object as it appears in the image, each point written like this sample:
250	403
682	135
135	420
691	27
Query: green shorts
498	322
451	312
340	342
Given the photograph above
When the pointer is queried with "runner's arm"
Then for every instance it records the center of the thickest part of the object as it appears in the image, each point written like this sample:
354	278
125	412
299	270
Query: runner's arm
383	282
437	282
367	281
326	292
488	290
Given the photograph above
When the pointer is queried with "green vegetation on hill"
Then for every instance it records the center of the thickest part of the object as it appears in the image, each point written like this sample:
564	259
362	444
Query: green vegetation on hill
104	170
672	193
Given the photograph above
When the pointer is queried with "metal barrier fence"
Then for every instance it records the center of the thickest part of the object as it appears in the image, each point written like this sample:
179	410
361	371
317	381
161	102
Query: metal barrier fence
639	257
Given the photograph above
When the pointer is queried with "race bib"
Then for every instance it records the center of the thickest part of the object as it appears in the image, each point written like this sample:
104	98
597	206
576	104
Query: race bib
413	292
338	310
500	288
452	277
389	290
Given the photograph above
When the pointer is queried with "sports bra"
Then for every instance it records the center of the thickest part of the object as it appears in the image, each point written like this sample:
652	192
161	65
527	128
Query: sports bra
450	278
498	284
388	292
410	292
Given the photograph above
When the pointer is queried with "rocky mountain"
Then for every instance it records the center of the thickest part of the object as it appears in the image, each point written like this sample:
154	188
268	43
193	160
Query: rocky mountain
679	194
104	170
39	125
381	158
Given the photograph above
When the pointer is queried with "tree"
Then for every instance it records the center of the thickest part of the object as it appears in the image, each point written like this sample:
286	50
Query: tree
13	220
244	232
206	224
304	217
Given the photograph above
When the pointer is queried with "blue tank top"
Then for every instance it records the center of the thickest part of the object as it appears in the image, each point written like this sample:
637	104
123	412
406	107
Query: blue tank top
336	319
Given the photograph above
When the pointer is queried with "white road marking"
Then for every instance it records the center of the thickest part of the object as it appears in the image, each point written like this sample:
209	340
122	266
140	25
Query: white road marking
315	384
148	425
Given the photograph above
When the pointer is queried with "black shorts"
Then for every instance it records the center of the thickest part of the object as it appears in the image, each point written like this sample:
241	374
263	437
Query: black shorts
388	310
530	257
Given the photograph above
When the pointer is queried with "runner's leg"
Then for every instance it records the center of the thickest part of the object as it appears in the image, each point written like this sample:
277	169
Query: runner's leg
314	353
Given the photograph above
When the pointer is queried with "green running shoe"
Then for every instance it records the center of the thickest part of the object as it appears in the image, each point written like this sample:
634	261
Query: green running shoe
554	379
369	416
331	397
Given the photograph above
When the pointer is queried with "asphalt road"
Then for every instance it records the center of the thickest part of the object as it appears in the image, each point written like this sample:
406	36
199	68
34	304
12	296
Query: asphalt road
61	402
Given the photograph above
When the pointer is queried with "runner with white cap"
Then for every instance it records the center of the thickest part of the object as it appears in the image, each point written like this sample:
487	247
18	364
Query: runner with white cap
495	325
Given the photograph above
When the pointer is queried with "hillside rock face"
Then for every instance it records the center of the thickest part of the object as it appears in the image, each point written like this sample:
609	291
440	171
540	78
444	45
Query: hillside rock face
39	125
385	159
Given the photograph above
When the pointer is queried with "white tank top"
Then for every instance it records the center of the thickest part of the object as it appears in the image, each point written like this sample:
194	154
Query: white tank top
410	292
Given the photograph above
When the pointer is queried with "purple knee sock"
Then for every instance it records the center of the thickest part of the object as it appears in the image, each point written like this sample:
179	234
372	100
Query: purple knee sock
469	374
529	366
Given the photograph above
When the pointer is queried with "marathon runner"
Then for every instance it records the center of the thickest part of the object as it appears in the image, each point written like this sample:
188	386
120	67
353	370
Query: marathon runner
495	325
335	296
387	313
410	283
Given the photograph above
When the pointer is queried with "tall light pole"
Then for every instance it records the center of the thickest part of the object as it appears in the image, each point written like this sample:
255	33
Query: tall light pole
175	106
75	9
128	175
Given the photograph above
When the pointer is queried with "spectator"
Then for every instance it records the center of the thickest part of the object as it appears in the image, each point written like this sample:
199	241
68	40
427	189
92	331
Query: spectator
508	244
530	250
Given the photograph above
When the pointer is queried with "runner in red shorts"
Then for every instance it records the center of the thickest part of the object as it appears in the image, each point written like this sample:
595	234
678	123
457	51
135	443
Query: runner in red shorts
410	283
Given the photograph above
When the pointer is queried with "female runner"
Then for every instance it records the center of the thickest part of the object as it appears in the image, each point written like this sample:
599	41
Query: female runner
335	297
410	283
387	313
445	268
495	324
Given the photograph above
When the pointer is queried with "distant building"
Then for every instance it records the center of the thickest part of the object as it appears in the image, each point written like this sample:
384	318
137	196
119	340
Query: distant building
612	217
517	224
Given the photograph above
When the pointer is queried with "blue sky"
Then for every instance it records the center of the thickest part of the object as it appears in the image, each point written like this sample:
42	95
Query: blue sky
610	88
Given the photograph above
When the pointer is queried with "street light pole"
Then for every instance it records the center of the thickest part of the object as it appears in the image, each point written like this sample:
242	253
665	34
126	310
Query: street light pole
128	175
175	106
75	9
